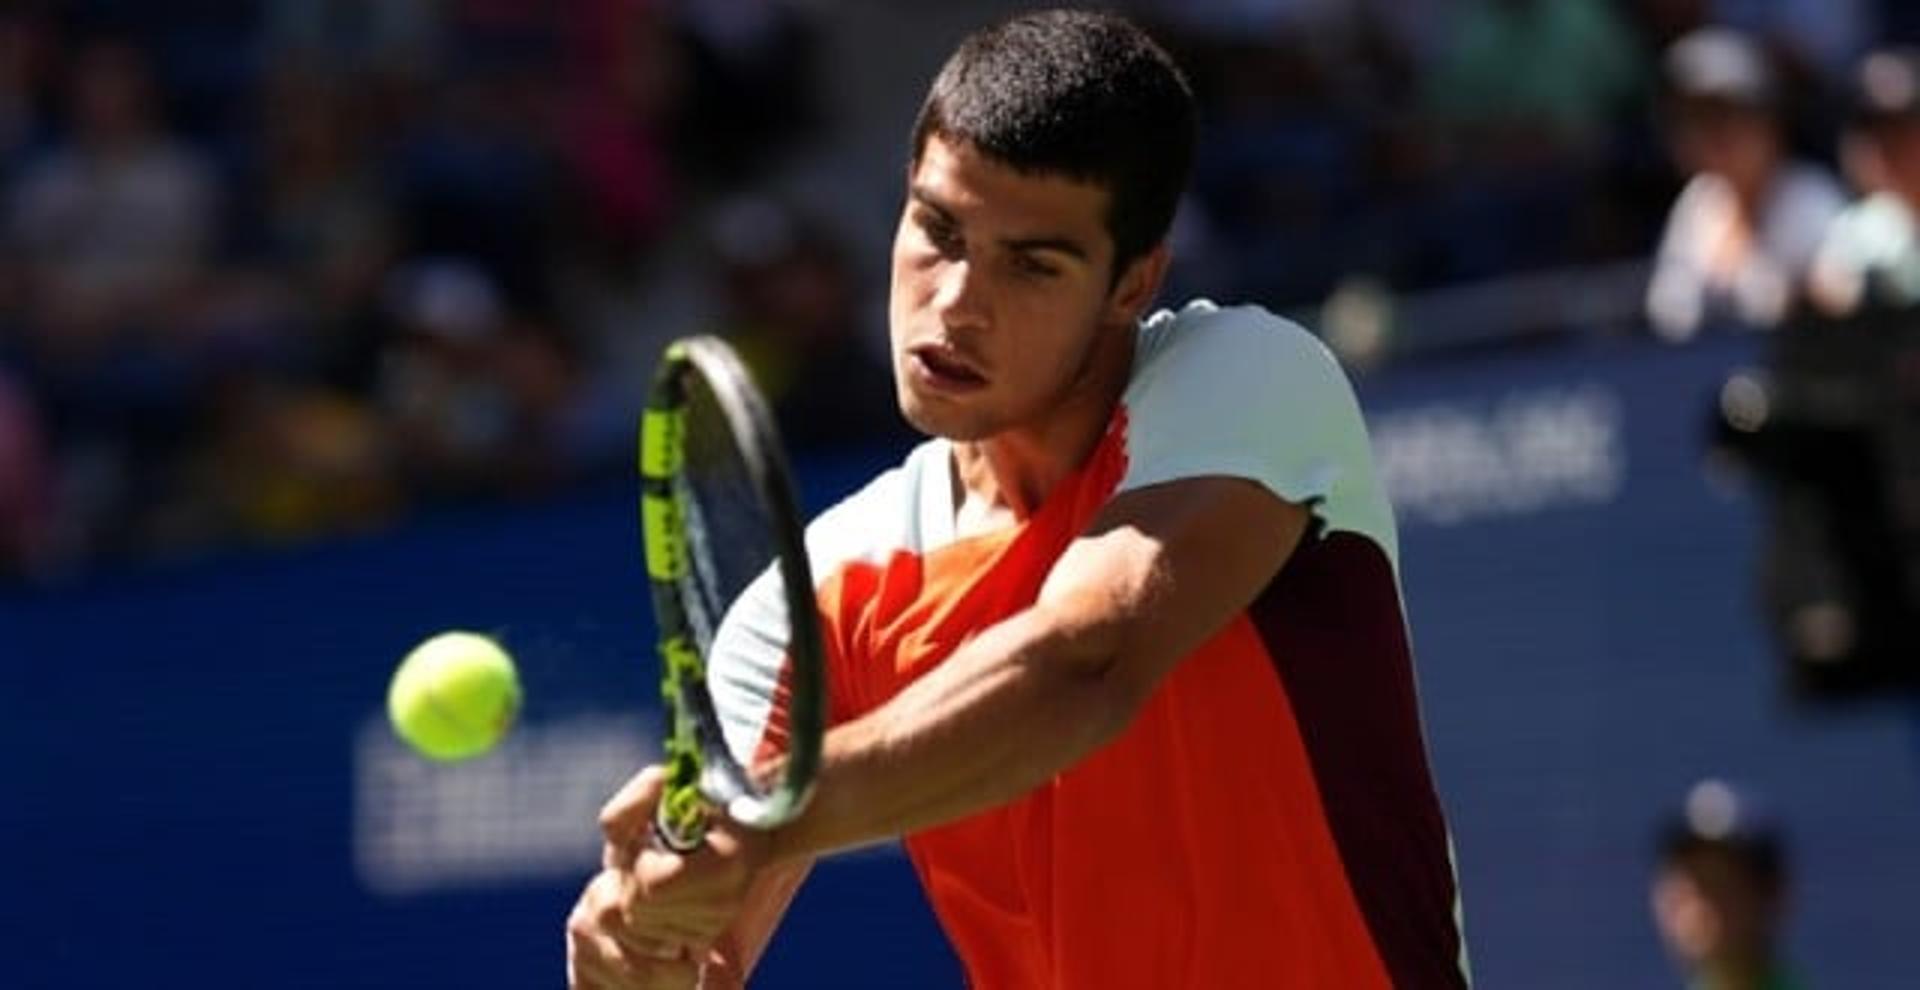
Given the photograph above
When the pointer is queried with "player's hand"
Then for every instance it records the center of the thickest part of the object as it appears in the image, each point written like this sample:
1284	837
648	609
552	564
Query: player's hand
671	899
603	955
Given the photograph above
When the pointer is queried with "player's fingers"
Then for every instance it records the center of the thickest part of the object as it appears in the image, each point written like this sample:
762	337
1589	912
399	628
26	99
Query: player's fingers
595	960
600	958
678	975
655	867
606	967
625	818
594	964
601	915
654	946
612	907
672	939
689	932
648	934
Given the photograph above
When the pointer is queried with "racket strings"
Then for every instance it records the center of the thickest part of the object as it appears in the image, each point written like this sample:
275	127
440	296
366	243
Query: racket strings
745	736
730	533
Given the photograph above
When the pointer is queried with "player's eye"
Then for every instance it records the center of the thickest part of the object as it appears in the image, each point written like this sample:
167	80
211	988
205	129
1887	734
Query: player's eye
943	235
1032	266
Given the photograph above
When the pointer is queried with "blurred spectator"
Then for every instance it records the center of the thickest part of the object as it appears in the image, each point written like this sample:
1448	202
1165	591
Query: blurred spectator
623	84
474	396
1720	891
343	220
1811	40
25	483
750	86
385	36
1279	164
109	236
25	63
792	305
282	462
1743	232
321	220
1534	79
1870	253
115	225
473	177
1526	94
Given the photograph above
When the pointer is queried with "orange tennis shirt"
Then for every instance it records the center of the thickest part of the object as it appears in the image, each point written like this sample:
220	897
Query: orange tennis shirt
1269	819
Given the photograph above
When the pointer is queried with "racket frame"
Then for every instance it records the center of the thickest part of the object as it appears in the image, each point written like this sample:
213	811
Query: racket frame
702	773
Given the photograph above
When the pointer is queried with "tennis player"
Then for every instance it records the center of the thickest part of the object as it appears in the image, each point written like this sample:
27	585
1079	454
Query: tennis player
1119	653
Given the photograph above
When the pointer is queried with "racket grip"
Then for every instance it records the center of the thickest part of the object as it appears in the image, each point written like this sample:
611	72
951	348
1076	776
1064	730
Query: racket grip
680	821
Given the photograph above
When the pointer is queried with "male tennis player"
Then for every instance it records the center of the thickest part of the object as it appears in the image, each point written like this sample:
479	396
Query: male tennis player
1119	653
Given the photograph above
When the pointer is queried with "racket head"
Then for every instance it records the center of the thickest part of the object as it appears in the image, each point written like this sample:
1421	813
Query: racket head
718	513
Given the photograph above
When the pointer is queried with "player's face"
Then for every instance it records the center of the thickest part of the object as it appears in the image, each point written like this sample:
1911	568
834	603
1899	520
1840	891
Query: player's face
1002	299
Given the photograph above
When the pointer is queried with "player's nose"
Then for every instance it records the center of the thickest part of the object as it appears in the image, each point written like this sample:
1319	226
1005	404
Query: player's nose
960	297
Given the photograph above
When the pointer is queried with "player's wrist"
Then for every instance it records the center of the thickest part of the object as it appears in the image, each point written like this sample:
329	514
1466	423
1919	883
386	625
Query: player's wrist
783	846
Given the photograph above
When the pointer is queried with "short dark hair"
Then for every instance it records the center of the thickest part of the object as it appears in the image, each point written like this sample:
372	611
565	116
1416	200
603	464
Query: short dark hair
1080	94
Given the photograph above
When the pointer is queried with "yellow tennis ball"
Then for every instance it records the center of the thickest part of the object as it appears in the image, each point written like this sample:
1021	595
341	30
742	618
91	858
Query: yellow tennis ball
454	696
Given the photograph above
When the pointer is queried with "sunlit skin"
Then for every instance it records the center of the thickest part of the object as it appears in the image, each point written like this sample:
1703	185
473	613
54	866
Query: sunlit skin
1011	336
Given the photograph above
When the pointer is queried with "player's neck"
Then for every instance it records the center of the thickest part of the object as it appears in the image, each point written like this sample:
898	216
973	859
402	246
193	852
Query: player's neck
1012	472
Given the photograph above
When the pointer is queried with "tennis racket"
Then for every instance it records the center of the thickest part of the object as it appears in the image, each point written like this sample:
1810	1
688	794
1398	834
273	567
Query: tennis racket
717	515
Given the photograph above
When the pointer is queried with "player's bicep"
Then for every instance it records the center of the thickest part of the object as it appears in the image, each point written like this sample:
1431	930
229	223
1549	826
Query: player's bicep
1163	568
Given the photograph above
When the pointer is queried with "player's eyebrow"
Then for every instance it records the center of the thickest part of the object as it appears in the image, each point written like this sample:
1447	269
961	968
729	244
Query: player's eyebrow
925	197
1064	245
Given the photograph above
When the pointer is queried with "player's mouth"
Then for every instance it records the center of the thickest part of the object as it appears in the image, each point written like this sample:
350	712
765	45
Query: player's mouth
942	369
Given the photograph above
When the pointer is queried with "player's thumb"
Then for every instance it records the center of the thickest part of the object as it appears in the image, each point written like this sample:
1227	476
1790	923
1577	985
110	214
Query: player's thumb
627	816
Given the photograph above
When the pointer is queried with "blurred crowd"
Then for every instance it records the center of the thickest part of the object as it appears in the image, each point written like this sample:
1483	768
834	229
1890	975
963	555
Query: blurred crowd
274	268
295	266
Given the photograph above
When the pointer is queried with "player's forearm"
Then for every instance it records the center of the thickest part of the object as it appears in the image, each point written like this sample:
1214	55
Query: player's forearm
1016	705
740	949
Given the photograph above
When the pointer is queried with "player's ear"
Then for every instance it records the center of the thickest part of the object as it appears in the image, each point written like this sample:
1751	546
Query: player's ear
1137	286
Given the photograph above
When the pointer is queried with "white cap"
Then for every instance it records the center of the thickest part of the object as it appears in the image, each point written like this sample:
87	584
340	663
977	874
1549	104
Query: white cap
1720	63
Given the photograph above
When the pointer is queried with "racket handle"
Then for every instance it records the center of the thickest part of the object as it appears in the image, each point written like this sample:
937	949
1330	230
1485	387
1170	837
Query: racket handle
680	821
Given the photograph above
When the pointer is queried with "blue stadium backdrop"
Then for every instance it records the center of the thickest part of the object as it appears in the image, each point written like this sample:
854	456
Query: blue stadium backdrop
197	789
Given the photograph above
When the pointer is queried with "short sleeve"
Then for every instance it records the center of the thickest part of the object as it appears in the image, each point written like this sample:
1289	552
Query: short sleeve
1240	392
1237	392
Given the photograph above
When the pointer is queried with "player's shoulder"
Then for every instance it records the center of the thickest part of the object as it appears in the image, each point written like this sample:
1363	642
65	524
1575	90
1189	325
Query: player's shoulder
1238	391
883	517
1203	342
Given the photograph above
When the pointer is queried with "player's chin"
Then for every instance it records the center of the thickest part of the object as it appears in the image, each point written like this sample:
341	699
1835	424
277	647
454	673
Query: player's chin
944	416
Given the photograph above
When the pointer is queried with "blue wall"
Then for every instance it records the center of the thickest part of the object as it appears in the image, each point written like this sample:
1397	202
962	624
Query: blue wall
200	793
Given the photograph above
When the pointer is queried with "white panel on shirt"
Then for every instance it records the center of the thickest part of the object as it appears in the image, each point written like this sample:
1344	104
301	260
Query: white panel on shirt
1240	392
890	513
